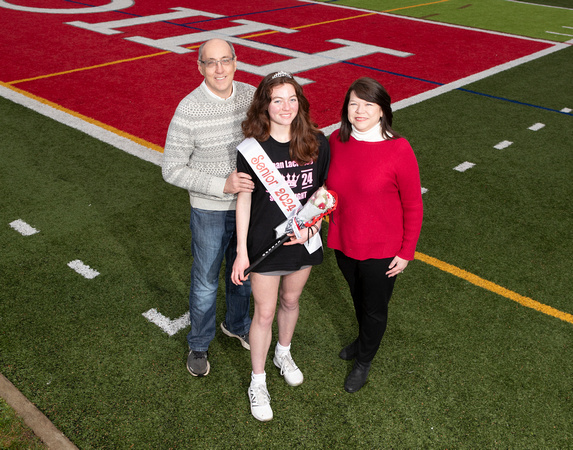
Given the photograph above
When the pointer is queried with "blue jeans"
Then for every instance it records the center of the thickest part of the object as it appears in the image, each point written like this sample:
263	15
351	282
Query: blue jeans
213	237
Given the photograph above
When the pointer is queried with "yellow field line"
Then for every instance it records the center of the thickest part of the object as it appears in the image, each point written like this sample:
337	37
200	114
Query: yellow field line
416	6
98	66
474	279
86	68
345	18
87	119
456	271
333	21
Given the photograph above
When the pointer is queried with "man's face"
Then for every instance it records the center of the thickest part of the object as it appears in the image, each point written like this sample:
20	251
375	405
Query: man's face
218	76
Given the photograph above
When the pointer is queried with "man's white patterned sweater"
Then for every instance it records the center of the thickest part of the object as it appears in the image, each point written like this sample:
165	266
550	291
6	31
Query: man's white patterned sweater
200	149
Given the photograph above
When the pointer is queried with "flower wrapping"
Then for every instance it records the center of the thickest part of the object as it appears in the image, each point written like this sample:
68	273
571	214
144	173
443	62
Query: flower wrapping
319	205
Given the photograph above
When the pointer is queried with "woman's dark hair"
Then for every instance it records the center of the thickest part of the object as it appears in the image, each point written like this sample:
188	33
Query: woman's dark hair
304	143
372	91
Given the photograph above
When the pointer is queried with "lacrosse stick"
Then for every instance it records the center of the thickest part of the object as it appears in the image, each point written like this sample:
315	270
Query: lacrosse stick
320	204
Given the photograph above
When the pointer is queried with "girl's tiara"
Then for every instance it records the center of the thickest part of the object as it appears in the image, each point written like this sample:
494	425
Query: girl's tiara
281	74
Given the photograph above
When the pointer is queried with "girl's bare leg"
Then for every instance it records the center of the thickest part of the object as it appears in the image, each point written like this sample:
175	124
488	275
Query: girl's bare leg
287	316
265	290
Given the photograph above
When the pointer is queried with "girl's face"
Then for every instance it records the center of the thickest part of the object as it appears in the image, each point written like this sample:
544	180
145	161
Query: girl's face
362	114
284	105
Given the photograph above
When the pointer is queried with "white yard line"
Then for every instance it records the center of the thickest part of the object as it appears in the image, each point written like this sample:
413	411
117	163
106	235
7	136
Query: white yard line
95	131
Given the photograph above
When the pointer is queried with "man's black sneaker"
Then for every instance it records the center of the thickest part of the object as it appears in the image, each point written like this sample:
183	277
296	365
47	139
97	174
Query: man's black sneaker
197	364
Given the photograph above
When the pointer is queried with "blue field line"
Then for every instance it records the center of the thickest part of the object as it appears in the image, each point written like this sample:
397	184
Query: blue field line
469	91
495	97
252	13
410	77
188	24
397	74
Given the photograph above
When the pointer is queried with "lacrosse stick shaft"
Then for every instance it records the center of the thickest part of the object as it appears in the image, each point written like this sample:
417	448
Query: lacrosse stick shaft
280	241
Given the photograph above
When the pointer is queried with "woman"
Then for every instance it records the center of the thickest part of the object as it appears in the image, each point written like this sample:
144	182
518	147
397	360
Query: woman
279	120
376	226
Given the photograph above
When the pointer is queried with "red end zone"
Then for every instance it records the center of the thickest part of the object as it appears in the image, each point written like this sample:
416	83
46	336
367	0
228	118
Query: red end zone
135	86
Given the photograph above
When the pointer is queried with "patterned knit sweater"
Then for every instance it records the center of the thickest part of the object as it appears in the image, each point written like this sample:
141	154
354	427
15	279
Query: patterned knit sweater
200	149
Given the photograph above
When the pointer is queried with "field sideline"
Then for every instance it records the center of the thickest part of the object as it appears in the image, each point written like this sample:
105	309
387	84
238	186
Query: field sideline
476	359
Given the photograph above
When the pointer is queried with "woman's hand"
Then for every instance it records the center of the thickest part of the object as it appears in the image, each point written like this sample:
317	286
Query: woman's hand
239	266
397	266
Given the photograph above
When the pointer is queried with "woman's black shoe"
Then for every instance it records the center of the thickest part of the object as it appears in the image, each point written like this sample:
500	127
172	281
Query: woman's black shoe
357	377
349	352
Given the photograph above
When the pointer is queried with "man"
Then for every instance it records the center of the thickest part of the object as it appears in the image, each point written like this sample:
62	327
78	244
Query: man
200	156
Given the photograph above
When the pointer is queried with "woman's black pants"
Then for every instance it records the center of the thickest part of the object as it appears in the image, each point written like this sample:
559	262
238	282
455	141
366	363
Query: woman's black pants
371	290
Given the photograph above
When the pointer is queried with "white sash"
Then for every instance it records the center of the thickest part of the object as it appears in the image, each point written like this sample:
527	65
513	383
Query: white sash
276	186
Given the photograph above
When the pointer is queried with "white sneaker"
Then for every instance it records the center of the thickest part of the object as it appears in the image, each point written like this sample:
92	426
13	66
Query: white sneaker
260	402
290	371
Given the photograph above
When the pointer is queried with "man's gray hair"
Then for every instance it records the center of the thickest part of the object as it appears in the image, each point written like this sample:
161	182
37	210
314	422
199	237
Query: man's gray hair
200	52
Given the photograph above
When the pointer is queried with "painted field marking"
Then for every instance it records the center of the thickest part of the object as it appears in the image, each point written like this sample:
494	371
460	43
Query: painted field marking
503	144
83	269
23	228
404	103
165	323
248	36
559	34
143	18
536	4
358	16
464	166
97	66
536	126
496	97
112	6
105	133
478	281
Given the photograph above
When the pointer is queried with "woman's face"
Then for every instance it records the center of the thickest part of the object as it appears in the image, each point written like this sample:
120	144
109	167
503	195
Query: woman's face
284	105
362	114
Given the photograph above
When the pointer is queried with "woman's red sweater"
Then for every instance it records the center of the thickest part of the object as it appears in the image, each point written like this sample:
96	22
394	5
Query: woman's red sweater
379	212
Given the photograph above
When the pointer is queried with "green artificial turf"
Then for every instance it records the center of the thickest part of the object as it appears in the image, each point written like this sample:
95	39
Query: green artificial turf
531	19
460	366
511	210
14	434
558	3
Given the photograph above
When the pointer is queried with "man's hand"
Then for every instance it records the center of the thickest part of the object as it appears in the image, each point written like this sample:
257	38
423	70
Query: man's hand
238	182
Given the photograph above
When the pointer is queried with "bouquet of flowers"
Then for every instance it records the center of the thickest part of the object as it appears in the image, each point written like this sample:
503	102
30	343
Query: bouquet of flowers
319	205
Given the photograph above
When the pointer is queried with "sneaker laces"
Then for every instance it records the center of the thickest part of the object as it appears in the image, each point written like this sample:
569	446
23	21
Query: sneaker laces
287	363
259	395
199	355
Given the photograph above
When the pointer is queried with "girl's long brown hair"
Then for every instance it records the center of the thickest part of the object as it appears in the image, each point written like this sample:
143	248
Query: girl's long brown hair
304	143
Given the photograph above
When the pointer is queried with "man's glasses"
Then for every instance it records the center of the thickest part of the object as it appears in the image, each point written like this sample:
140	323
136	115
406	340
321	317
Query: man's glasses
212	63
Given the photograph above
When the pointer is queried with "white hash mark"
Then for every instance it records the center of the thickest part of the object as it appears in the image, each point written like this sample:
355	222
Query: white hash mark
502	145
83	269
165	323
464	166
23	228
